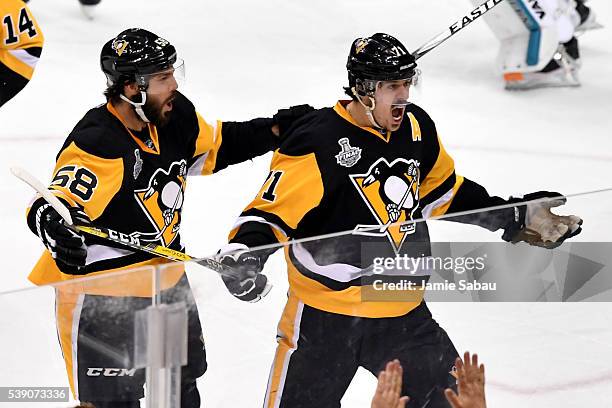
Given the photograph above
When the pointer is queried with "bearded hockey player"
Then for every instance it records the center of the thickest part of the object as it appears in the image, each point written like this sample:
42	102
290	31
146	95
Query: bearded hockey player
125	166
373	160
21	42
538	44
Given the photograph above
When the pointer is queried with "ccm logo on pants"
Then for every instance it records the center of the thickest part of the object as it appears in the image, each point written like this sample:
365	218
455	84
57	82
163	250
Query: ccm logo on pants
110	372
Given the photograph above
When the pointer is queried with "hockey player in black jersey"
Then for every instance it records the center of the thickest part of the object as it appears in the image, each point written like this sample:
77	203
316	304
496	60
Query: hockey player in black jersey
372	161
125	166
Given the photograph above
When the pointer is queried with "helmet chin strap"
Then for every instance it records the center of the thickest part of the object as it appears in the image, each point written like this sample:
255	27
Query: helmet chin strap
369	110
138	105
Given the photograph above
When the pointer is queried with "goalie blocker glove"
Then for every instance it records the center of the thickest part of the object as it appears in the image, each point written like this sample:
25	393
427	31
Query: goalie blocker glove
248	283
67	247
535	224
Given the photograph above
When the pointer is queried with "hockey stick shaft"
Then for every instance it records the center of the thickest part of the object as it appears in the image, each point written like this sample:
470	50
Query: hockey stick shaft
116	236
455	27
154	249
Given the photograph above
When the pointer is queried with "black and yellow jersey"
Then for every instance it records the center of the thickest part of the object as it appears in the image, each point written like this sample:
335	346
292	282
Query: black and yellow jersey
134	182
332	175
21	39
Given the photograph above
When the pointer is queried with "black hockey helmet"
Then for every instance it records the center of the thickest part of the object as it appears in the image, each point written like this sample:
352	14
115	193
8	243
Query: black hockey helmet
380	57
134	54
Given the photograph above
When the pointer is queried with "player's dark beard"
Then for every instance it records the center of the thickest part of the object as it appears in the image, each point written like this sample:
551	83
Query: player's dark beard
153	110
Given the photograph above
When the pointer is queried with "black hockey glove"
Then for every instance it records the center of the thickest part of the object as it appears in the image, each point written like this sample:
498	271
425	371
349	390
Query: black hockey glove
248	283
66	246
284	118
535	224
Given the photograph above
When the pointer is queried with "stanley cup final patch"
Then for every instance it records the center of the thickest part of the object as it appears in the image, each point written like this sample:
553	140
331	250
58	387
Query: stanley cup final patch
348	156
137	164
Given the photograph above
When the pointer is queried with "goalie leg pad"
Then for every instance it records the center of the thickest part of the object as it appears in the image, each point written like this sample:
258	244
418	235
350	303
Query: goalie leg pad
530	32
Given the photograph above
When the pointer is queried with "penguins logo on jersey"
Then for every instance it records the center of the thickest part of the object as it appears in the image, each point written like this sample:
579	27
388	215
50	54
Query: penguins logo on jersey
391	192
162	201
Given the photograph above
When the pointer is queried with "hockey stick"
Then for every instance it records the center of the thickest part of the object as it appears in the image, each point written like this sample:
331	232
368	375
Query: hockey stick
105	233
121	238
455	27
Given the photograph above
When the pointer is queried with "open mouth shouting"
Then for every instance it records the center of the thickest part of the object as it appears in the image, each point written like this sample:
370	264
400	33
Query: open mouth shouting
168	103
397	112
398	107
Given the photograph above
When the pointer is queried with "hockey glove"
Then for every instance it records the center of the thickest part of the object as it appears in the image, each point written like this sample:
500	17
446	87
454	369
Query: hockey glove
248	283
284	118
67	247
535	224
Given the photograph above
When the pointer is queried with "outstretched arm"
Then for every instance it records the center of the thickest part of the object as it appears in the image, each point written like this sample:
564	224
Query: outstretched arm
217	145
445	193
246	140
528	218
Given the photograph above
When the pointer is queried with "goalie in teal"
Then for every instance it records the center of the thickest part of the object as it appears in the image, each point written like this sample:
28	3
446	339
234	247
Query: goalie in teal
538	41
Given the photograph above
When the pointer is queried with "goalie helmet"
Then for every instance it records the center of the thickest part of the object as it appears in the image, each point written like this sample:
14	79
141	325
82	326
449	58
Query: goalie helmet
134	54
380	57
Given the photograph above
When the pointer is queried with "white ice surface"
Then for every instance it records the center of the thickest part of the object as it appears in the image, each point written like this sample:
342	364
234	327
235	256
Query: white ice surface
246	59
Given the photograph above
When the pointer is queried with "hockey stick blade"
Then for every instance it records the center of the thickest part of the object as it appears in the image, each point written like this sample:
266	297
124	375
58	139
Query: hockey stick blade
455	27
119	237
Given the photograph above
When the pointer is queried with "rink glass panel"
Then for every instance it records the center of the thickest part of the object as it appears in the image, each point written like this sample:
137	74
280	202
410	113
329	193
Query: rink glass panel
553	340
31	334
